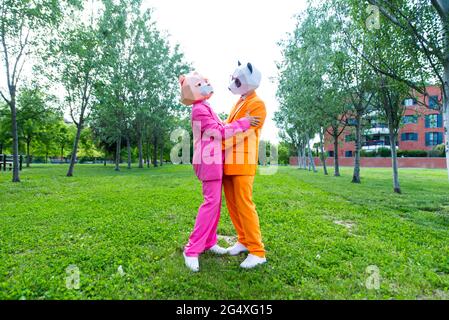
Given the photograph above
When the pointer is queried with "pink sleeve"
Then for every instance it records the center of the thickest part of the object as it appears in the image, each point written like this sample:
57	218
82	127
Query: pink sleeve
208	122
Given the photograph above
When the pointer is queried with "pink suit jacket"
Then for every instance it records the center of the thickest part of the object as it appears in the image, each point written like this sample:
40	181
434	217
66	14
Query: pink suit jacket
208	133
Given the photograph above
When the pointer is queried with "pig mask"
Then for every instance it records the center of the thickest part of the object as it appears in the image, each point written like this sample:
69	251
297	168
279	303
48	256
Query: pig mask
194	88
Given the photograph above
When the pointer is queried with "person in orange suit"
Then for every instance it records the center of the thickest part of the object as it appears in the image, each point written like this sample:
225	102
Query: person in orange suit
241	158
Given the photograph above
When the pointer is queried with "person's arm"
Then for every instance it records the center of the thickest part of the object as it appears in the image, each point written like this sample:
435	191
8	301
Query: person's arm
257	110
208	123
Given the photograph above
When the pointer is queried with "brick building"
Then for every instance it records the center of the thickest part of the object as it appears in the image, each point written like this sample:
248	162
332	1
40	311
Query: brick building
422	128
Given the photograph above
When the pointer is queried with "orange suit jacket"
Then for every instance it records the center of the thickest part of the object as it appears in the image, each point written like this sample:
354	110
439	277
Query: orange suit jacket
242	150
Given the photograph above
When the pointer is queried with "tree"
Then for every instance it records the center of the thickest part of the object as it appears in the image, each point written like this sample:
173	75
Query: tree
34	114
390	95
355	77
308	91
137	97
5	124
75	58
63	135
22	23
421	30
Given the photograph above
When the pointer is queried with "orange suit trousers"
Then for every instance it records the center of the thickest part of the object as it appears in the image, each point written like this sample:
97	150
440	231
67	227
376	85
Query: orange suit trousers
239	200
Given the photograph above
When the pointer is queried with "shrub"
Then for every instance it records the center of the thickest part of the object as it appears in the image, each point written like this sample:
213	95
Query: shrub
412	153
381	152
384	152
368	154
438	151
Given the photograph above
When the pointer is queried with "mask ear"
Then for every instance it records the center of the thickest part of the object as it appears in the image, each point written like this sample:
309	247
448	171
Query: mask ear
250	67
238	63
182	78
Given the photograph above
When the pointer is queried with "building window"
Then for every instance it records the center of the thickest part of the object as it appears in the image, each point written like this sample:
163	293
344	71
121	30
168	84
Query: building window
380	125
409	102
349	138
434	138
434	121
410	119
348	154
409	136
433	102
330	153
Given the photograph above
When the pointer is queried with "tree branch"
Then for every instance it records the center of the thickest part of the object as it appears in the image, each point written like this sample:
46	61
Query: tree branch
19	56
4	98
409	27
5	49
439	7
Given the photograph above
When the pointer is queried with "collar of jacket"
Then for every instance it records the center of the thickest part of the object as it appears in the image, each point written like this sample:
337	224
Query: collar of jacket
249	96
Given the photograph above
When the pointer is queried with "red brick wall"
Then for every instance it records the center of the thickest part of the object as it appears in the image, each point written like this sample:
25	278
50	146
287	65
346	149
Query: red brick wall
419	128
430	163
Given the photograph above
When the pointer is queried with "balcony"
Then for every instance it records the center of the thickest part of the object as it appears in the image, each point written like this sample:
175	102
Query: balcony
380	129
372	145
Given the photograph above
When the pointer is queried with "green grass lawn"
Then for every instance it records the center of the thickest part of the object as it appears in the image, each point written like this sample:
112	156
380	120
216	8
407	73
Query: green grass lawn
321	233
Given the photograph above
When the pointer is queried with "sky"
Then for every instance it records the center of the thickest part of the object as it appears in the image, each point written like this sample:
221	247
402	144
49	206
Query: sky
215	35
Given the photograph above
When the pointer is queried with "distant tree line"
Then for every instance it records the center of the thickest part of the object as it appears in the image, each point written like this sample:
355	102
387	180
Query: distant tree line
346	60
103	82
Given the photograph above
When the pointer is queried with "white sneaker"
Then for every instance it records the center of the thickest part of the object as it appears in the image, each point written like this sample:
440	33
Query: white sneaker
192	263
218	250
252	261
236	249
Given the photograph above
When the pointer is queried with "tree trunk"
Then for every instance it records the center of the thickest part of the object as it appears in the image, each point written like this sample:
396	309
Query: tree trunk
161	154
299	156
323	157
28	153
148	154
15	137
311	161
128	146
117	154
446	107
62	154
444	14
155	152
394	159
75	147
358	147
140	152
304	156
1	148
336	163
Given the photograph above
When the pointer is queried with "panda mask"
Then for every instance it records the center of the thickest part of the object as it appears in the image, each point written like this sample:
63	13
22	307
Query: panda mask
245	79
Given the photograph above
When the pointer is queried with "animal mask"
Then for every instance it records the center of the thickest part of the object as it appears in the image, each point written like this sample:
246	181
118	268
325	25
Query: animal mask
194	87
245	79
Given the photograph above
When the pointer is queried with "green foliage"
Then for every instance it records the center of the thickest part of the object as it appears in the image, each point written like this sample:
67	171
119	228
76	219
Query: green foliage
138	93
386	152
412	153
98	222
284	153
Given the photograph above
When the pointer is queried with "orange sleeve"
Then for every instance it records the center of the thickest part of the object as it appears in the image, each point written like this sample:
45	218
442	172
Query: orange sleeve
258	110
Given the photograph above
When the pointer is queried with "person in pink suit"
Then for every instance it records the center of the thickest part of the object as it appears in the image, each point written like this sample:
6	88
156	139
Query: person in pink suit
209	132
